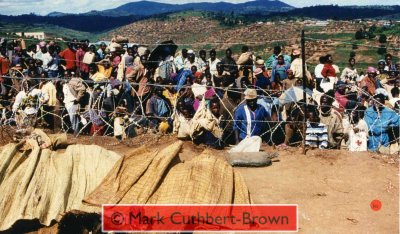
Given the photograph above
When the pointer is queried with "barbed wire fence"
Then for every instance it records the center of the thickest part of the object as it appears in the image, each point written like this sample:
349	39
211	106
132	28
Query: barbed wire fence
273	126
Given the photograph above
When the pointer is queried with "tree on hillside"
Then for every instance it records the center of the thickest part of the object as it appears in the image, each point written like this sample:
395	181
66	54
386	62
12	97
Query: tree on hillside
359	35
382	38
382	50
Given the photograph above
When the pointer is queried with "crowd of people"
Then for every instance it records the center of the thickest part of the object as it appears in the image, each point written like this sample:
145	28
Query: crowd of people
124	91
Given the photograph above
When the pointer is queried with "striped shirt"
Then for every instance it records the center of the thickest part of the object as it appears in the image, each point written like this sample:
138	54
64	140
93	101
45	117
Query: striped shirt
317	136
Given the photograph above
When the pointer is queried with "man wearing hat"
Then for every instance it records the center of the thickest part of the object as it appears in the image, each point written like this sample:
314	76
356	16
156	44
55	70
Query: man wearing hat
250	117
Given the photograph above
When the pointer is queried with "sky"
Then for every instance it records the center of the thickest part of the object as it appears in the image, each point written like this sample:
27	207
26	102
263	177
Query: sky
15	7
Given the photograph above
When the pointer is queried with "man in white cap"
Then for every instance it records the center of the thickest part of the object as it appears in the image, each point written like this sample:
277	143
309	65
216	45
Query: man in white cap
250	117
191	61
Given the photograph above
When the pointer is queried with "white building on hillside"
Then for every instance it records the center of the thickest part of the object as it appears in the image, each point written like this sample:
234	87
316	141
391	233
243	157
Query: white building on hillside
37	35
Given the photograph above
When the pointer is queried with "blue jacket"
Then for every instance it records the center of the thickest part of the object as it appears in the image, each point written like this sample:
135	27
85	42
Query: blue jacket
257	128
378	126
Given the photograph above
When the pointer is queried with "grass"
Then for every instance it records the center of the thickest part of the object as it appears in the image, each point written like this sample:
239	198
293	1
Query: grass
8	30
342	36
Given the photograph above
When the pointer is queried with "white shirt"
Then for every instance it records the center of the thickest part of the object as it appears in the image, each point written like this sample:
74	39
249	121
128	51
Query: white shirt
318	71
46	58
213	65
68	96
18	100
393	101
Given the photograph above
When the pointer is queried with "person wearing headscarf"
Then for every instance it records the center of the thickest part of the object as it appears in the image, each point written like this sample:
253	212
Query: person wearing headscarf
370	81
379	119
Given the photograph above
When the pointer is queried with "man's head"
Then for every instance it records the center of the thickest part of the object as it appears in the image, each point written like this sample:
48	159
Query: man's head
31	63
44	75
281	61
70	45
244	82
245	49
341	87
398	66
395	92
220	68
296	54
92	48
43	49
57	49
130	51
352	61
184	53
277	50
326	104
215	107
92	68
329	59
290	74
388	59
193	69
103	46
191	56
143	59
379	101
357	114
393	74
322	59
52	49
198	79
158	91
202	54
208	76
312	115
213	54
371	71
228	53
32	48
251	98
381	65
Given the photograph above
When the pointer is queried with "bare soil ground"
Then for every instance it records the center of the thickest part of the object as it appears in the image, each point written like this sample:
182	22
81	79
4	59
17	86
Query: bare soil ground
333	189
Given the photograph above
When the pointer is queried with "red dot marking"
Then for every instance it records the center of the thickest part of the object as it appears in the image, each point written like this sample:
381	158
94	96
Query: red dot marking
376	205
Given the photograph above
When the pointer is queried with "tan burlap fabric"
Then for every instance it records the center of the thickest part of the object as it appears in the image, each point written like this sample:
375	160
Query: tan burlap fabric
43	184
158	177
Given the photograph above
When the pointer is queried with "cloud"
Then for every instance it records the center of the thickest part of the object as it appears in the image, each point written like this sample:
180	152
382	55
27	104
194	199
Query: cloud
15	7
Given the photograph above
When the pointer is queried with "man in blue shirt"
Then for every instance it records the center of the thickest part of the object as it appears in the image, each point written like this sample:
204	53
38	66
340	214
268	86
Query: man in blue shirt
379	119
250	117
273	59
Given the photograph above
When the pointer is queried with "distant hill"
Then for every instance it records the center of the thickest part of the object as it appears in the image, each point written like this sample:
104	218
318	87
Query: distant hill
85	23
153	8
56	14
340	12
